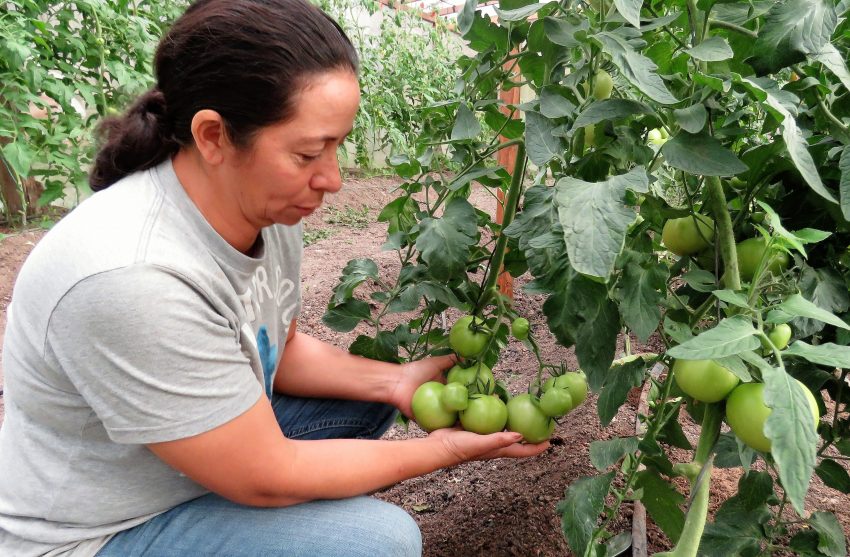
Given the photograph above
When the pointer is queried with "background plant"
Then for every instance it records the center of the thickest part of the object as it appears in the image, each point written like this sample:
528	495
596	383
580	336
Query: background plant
734	110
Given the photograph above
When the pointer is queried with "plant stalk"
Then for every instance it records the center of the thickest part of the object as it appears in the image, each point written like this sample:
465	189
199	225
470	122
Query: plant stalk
725	234
511	202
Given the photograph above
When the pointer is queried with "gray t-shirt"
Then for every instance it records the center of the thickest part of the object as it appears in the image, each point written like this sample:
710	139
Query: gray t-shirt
132	322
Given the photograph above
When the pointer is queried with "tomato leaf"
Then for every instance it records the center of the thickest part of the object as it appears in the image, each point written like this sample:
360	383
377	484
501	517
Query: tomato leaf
579	312
636	67
844	187
582	503
831	540
519	14
791	430
792	29
832	59
701	154
827	354
344	317
662	501
610	109
563	32
553	104
541	143
355	273
605	453
640	292
618	382
797	306
693	118
833	475
732	297
731	336
383	348
630	10
738	525
730	452
595	219
466	125
445	242
713	49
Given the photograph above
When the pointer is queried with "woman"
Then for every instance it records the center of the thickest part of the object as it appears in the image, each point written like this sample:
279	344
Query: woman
159	398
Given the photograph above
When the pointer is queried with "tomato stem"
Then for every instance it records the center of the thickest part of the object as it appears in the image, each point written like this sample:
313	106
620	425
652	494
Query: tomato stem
511	202
725	235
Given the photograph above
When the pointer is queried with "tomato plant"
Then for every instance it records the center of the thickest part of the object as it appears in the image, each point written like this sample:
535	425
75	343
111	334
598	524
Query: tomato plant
761	159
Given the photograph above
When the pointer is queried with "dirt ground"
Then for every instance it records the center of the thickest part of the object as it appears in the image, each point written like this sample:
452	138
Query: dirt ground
495	508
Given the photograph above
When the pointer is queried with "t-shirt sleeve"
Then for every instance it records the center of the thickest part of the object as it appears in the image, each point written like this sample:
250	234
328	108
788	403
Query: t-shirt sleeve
149	352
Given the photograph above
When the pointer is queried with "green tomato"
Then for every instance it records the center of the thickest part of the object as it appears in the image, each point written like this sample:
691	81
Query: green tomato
556	402
574	382
477	379
468	337
656	137
602	85
746	414
519	328
590	135
704	380
525	417
780	335
428	410
750	252
682	237
485	414
454	397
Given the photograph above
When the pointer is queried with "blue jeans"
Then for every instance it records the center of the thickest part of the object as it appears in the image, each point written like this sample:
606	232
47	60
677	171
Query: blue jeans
358	526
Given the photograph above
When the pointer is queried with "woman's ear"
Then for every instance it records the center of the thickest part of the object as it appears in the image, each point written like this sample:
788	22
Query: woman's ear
210	136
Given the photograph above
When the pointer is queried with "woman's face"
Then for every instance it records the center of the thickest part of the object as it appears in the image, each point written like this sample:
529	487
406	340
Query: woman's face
286	172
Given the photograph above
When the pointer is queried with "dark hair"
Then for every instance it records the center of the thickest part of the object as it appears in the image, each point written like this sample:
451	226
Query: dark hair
245	59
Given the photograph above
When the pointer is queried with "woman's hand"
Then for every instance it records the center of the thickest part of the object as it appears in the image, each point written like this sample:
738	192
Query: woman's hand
413	374
465	445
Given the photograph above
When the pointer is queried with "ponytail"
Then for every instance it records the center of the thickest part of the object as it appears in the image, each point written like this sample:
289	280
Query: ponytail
136	140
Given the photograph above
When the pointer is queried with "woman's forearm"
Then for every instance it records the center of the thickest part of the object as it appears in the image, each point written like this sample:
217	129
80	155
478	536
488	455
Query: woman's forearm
310	367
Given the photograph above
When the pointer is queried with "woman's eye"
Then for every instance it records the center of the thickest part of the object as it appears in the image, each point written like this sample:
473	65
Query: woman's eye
309	158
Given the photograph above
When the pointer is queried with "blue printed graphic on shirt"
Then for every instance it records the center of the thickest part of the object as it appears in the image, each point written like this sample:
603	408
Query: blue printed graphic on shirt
268	355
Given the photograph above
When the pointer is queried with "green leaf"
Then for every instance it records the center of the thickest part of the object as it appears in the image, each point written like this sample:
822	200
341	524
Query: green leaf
798	147
345	317
466	17
739	523
630	10
640	292
833	475
618	382
580	508
730	452
562	32
384	348
542	145
637	68
732	297
830	534
693	118
713	49
466	125
595	219
792	30
731	336
701	154
610	109
605	453
519	14
700	280
832	59
662	501
19	157
445	242
828	354
844	185
797	306
355	273
791	430
579	312
553	104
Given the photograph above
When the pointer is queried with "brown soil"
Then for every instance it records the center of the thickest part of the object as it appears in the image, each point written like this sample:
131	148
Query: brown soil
495	508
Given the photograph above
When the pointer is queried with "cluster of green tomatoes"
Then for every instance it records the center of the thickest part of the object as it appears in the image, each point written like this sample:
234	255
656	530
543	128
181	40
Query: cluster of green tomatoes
468	395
